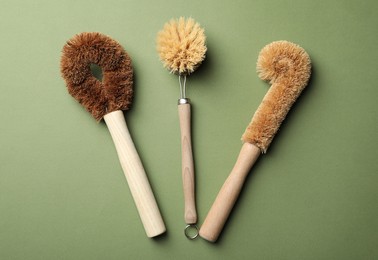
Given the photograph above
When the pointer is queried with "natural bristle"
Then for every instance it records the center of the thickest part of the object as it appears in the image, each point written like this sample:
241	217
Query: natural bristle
115	91
181	45
284	60
287	67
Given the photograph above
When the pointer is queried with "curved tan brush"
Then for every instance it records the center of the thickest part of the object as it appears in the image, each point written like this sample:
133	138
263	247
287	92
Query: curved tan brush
106	99
287	66
181	47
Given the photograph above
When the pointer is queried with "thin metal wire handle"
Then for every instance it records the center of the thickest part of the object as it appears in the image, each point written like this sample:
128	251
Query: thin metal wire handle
182	86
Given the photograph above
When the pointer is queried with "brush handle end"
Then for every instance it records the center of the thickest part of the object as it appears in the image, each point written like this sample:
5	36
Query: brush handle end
135	174
228	194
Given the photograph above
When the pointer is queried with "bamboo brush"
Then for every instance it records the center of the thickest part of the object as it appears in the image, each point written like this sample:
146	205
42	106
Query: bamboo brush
287	67
106	99
181	47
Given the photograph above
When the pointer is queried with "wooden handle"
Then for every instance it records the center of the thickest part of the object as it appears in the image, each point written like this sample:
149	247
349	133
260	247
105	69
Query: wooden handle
135	175
227	196
190	213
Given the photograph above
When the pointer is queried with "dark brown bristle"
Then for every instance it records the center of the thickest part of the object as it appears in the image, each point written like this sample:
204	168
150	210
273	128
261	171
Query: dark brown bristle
115	91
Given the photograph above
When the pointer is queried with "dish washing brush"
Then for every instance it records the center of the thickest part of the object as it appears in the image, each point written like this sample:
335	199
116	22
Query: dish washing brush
181	48
287	67
105	100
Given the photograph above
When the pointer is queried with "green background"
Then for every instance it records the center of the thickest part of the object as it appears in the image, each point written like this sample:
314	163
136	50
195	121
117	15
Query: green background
312	196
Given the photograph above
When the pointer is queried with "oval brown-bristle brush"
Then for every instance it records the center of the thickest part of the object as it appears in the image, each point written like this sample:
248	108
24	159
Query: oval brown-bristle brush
181	47
106	99
287	66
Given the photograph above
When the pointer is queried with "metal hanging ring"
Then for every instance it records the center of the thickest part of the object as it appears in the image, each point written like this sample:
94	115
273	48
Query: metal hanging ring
189	229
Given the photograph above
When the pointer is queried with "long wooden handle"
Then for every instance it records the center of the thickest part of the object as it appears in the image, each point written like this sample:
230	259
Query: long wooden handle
227	196
188	179
135	175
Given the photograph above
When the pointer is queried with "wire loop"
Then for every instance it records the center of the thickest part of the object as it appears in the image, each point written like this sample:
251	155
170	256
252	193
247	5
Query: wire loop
182	87
189	229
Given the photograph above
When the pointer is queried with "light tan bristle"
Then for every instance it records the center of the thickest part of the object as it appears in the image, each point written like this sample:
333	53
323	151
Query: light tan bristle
181	45
287	67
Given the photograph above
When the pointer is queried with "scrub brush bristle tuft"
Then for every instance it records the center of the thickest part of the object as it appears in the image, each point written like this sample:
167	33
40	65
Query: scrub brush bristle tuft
283	60
115	91
181	45
287	67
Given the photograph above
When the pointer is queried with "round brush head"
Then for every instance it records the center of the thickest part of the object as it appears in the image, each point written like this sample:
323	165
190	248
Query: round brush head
283	61
287	67
115	91
181	45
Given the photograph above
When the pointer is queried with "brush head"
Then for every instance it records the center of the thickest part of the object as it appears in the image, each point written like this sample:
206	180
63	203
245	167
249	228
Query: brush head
115	91
284	62
181	45
287	67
